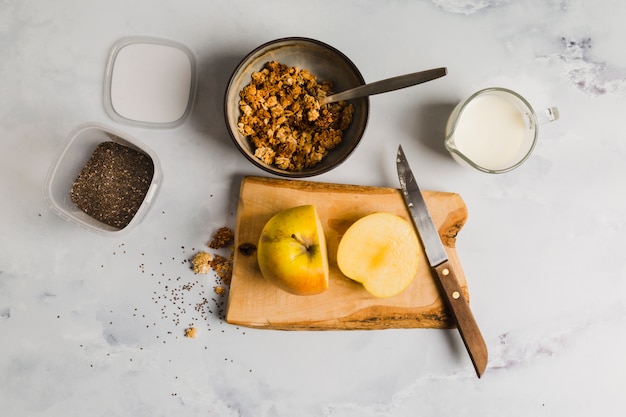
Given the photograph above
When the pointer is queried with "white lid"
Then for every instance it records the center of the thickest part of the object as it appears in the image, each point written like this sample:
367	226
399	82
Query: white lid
149	82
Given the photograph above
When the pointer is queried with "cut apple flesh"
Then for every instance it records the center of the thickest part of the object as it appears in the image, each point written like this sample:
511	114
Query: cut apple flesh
291	251
381	252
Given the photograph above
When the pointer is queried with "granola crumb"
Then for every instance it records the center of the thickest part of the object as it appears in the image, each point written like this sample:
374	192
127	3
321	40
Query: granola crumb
223	267
202	262
190	332
222	238
219	290
247	249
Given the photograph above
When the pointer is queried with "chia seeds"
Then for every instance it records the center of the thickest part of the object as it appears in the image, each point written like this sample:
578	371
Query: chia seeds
113	184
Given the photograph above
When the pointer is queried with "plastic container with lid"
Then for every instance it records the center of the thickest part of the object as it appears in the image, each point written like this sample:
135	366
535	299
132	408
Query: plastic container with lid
70	161
150	82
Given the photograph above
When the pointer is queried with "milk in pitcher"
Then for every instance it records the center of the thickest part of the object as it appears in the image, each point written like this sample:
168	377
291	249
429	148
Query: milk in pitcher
492	132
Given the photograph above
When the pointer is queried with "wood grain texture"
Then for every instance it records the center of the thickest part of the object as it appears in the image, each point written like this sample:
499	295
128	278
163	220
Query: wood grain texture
253	302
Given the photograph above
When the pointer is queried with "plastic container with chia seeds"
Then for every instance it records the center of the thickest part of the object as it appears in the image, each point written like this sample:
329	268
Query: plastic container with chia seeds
71	161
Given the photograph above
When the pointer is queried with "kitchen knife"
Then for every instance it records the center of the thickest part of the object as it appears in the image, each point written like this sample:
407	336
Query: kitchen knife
442	268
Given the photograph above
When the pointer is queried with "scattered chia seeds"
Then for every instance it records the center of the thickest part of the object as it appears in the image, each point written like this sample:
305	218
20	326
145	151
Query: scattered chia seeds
113	184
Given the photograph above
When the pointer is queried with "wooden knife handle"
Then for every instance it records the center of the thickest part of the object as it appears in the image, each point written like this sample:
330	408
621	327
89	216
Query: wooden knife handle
462	314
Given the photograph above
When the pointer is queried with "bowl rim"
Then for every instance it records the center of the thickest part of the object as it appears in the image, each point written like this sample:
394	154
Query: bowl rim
252	158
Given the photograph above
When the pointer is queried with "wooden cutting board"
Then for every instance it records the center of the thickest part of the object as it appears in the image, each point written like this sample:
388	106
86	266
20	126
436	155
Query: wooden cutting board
253	302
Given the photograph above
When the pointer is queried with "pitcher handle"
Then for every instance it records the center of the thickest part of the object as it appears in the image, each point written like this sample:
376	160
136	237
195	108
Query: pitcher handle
548	115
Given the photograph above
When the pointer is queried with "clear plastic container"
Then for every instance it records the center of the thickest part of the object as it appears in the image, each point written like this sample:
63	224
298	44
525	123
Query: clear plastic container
149	82
71	160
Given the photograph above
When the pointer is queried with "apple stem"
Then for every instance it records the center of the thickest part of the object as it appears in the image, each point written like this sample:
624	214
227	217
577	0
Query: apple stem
300	241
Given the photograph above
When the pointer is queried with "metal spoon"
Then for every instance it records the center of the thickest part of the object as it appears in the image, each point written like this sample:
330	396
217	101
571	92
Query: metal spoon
389	84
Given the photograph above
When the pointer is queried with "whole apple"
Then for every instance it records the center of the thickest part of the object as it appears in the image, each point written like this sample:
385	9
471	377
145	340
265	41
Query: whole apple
292	253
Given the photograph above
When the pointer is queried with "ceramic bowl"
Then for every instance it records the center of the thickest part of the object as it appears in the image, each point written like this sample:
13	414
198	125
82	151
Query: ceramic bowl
323	61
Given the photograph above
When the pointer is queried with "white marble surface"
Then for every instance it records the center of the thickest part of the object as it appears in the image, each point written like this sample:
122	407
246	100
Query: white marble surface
89	326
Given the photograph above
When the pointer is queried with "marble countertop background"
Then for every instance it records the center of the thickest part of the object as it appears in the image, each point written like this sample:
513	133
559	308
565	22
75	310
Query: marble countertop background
93	326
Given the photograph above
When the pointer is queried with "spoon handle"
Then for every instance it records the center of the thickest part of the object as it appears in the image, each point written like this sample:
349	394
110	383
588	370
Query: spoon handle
389	84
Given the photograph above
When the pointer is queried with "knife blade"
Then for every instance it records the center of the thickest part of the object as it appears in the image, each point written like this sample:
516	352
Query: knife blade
443	271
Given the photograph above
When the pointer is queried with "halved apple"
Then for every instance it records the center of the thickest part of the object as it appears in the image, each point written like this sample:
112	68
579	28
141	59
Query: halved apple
291	252
381	252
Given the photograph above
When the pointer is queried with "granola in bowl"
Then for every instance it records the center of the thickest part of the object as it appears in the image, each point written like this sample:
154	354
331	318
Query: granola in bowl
294	147
282	117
